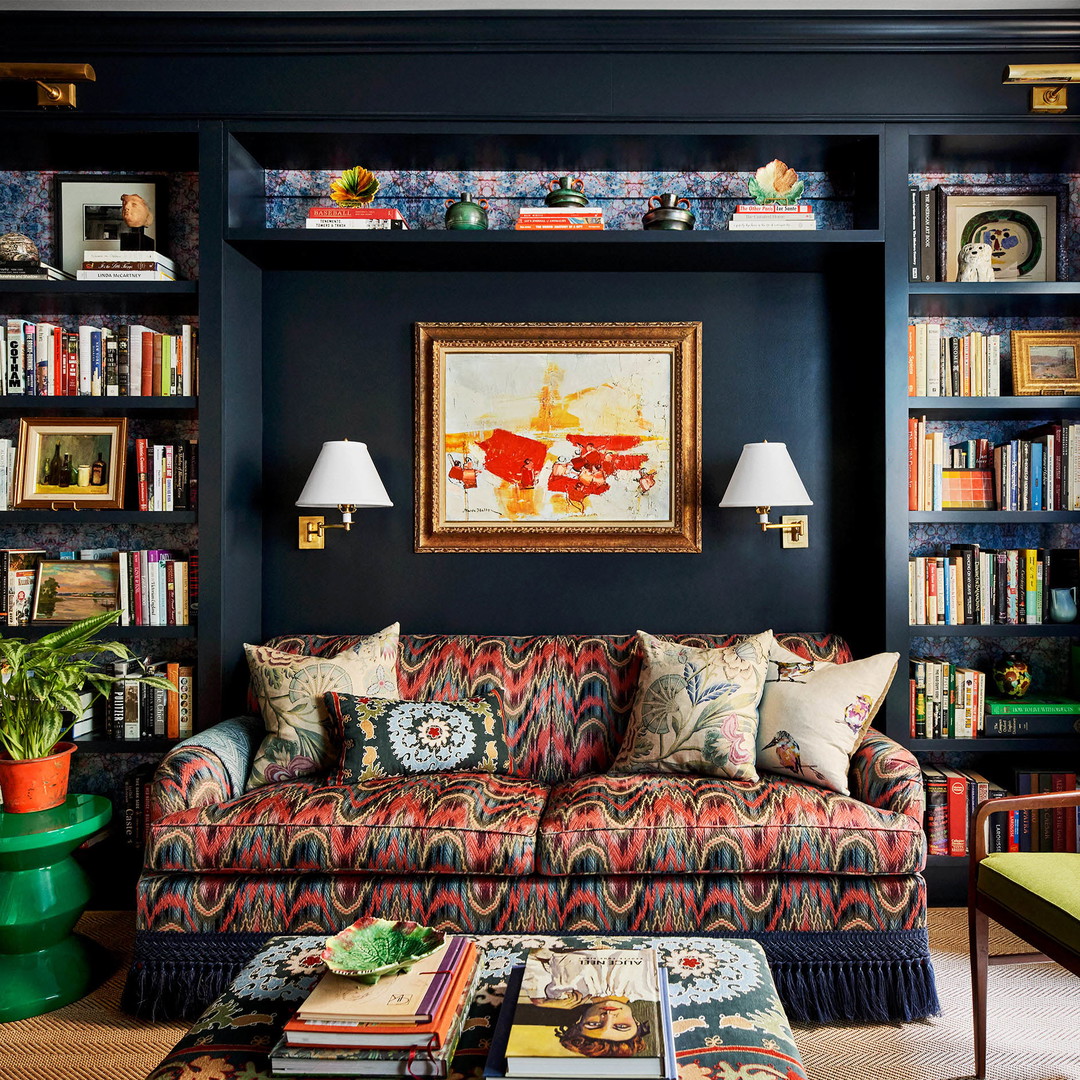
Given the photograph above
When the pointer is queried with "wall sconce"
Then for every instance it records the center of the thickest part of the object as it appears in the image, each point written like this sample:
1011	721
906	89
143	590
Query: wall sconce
343	476
55	82
1049	96
765	477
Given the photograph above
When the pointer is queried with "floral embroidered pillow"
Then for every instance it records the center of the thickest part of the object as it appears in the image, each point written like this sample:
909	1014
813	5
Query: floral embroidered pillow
290	689
695	710
813	714
381	737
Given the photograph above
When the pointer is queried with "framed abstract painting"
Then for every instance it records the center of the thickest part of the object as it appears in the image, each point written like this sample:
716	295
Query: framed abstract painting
558	437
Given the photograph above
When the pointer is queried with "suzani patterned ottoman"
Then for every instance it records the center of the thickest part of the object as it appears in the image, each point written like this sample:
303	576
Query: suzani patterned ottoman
729	1023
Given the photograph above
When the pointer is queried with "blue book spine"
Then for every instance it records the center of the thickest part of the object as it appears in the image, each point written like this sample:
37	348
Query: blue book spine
97	387
1036	476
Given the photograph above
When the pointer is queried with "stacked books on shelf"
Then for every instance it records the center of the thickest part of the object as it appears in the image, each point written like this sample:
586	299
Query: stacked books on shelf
1037	715
772	216
355	217
137	712
943	366
922	249
575	218
403	1025
47	360
946	701
969	584
32	271
126	266
578	1012
952	795
167	474
1037	470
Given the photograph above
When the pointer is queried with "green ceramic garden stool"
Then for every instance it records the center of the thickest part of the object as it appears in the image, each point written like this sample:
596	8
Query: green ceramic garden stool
43	891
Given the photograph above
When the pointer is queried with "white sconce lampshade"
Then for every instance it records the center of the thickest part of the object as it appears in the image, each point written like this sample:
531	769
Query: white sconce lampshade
344	475
765	476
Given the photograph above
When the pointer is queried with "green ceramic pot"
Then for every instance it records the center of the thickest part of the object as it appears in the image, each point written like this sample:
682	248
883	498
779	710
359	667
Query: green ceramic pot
466	214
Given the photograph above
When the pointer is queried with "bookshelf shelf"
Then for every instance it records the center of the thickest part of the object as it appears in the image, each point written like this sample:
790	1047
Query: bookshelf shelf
994	517
118	633
98	517
99	297
103	405
998	630
1001	408
1050	744
283	249
125	746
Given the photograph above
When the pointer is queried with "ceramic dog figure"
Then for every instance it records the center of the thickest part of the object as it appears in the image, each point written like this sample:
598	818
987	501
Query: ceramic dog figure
973	263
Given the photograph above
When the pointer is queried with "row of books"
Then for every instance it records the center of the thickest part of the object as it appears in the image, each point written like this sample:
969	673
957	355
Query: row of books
137	712
941	366
946	701
406	1024
970	585
47	360
125	265
953	794
1038	470
167	474
950	701
571	218
153	587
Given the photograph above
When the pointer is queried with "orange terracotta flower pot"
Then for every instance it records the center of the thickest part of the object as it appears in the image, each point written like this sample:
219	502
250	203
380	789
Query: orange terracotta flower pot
37	783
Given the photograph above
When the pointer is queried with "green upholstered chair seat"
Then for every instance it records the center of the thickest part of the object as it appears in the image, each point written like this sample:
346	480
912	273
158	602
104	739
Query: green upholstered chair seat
1043	888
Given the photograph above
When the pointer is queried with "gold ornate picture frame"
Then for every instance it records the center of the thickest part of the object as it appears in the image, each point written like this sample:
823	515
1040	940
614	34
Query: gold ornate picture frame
558	437
71	463
1045	362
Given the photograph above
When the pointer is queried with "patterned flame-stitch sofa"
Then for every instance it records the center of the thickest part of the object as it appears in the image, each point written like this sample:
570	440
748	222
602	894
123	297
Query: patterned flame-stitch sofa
828	884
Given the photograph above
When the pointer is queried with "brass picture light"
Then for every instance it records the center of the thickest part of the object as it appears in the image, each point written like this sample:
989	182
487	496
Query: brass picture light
55	82
1052	79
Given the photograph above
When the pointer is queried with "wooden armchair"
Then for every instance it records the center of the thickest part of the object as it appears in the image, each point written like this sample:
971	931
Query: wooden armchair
1034	894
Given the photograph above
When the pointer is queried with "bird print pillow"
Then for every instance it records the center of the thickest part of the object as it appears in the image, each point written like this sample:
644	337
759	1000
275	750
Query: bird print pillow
695	710
813	714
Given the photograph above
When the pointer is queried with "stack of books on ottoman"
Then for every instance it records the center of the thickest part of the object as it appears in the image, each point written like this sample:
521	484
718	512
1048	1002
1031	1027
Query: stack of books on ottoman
772	216
584	1012
402	1025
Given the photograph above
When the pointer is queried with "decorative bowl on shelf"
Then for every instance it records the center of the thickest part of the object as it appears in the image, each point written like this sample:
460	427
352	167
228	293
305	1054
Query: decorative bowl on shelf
371	948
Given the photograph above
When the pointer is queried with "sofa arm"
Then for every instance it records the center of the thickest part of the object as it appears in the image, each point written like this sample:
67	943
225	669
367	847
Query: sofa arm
208	768
886	775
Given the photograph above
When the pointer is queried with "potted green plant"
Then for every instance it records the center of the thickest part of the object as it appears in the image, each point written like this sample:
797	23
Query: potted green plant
40	684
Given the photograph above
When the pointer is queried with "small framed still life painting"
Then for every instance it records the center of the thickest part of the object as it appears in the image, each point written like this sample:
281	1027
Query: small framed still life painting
1045	362
71	463
967	489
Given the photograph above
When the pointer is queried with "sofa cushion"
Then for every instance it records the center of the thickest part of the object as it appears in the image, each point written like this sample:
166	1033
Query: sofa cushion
387	737
695	710
466	822
290	692
668	824
813	714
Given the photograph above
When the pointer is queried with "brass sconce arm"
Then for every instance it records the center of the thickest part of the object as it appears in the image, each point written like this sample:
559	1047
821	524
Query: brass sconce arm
1050	95
55	82
794	528
313	528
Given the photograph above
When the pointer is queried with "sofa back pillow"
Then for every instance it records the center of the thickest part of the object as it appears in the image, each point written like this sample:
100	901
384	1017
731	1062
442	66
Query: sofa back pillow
289	690
696	709
813	714
387	737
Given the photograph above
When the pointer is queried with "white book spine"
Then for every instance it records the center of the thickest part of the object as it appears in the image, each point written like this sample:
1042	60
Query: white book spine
933	360
135	333
85	346
185	380
993	365
122	559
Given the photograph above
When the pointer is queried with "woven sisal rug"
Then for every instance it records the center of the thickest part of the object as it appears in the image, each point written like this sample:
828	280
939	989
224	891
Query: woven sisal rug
1034	1025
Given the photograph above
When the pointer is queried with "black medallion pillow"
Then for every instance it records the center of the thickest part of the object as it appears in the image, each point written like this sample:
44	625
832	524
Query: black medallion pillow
384	737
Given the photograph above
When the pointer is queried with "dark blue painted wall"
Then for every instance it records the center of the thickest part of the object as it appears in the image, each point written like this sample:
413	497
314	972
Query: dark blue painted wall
783	358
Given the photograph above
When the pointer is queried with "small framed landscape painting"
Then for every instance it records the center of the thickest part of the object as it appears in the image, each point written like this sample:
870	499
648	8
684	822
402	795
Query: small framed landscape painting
66	463
104	212
1045	362
558	437
67	590
1024	229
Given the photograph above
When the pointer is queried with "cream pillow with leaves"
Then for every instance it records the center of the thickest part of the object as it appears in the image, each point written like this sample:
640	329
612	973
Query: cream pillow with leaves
813	714
695	710
290	688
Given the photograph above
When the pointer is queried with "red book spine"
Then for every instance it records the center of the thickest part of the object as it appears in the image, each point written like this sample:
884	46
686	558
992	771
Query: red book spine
372	213
958	814
912	463
142	473
59	362
147	362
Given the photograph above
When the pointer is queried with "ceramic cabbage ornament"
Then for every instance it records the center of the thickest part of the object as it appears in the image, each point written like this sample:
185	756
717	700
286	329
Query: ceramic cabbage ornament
354	187
776	183
371	948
